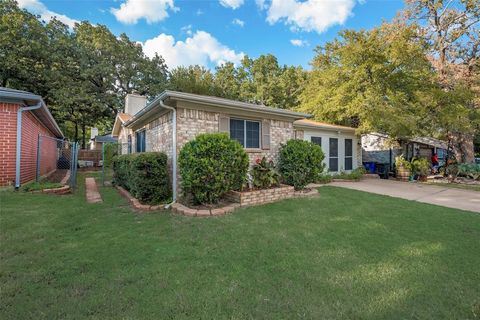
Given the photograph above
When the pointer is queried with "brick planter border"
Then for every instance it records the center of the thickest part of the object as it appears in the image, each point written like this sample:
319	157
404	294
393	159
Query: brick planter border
256	197
239	199
136	204
186	211
245	199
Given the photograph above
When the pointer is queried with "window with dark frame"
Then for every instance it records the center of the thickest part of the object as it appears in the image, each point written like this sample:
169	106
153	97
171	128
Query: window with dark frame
140	141
129	146
246	132
333	155
348	154
316	140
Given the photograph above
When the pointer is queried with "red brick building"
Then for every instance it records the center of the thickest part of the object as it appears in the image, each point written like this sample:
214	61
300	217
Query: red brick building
23	118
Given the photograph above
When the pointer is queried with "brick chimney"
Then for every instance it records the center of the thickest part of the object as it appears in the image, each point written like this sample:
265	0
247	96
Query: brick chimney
134	103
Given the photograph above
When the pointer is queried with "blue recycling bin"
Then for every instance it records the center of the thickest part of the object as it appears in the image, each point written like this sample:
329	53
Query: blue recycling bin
370	167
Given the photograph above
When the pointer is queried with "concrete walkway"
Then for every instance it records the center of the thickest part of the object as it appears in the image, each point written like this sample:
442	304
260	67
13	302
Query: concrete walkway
442	196
91	191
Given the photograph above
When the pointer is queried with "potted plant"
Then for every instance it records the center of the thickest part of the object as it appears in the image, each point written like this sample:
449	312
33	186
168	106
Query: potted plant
403	167
421	168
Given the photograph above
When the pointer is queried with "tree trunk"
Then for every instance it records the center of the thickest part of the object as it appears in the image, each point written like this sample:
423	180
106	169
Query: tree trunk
84	132
463	147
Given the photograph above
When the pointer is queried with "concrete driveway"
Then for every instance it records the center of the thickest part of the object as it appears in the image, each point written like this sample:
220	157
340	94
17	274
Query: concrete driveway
442	196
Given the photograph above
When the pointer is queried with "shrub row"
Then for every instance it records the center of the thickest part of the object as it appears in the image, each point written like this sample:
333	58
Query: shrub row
144	175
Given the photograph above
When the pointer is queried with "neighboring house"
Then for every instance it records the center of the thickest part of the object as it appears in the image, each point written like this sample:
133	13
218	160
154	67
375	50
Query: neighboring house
97	142
174	118
379	148
23	118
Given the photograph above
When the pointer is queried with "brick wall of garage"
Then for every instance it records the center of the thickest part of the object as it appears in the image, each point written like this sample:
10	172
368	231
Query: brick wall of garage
8	129
31	129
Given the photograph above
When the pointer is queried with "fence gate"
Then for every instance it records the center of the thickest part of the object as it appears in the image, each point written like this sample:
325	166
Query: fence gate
57	160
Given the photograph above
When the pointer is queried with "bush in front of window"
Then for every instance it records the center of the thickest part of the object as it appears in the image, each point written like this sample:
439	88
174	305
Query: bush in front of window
300	163
210	166
144	175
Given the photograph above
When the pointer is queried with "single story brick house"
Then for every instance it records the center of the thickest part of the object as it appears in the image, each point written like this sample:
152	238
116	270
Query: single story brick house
174	118
23	118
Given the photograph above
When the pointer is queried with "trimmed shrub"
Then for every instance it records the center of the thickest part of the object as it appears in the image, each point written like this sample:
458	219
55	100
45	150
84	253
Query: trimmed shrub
210	166
300	163
145	175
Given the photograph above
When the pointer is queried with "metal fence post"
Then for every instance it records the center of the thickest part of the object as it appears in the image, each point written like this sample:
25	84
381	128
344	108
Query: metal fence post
103	164
37	176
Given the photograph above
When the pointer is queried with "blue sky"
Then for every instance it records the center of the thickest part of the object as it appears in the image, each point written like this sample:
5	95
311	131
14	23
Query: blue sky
209	32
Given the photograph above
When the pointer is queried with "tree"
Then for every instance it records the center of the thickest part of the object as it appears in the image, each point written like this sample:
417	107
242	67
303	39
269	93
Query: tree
23	55
370	79
451	30
193	79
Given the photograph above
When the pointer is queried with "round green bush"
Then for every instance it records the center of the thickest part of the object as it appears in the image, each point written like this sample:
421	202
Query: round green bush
300	163
210	166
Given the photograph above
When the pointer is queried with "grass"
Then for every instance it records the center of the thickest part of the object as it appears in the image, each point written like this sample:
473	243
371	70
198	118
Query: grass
343	255
40	185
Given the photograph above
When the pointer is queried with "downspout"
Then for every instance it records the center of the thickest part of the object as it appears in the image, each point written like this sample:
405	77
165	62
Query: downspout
174	152
18	154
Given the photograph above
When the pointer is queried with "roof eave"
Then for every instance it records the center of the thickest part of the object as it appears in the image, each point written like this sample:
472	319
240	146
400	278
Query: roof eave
25	97
214	101
307	126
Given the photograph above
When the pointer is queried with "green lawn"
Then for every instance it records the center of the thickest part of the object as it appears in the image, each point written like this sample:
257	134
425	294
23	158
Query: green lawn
343	255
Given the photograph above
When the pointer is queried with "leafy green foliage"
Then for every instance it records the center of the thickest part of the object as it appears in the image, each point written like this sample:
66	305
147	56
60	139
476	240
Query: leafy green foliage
260	80
420	166
356	174
145	175
300	163
370	79
211	165
264	174
471	170
83	73
401	162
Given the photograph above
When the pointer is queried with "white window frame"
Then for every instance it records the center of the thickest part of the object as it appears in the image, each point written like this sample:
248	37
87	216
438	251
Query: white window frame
245	132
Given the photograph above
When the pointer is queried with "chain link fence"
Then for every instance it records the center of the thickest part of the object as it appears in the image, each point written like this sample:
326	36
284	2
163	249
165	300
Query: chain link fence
56	161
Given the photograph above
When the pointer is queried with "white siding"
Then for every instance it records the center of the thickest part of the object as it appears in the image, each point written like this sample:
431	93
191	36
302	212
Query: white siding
326	135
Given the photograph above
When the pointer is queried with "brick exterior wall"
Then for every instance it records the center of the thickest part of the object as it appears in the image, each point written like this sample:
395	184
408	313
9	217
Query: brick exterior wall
192	121
31	128
8	137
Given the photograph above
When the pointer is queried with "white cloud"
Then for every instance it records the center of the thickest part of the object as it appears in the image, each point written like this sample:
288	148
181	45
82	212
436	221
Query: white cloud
238	22
150	10
309	15
234	4
38	8
201	48
199	12
187	29
299	42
